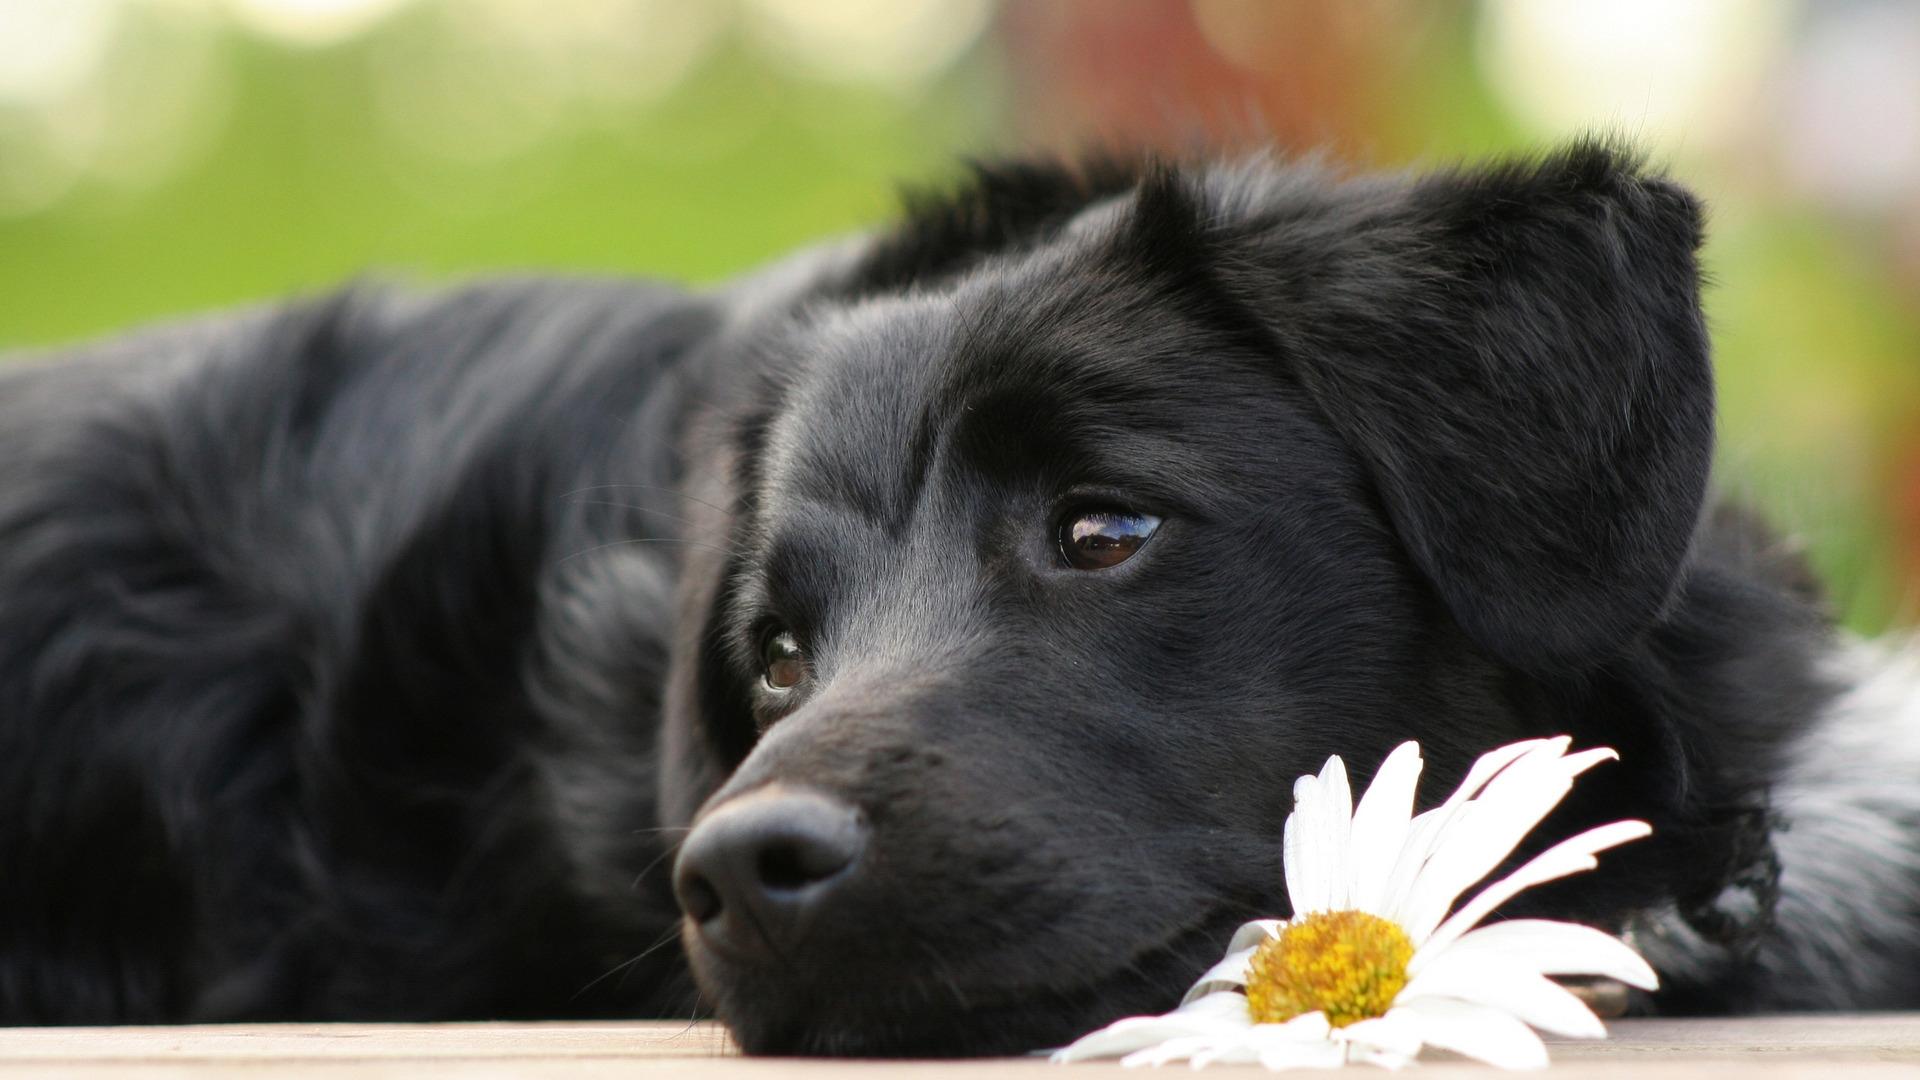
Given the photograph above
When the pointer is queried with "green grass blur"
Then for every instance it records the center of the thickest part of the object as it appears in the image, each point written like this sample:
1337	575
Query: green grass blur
302	188
298	168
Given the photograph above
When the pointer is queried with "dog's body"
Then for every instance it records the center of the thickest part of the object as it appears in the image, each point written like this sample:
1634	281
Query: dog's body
369	658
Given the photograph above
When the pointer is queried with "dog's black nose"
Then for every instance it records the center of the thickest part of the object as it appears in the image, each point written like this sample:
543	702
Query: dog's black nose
758	869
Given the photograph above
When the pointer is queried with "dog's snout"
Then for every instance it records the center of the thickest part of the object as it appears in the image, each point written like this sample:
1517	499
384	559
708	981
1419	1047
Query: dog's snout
758	869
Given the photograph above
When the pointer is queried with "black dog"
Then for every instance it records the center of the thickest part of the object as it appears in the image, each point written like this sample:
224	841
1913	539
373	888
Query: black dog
973	591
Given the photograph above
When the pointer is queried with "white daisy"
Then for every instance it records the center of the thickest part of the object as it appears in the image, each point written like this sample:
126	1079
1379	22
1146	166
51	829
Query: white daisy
1377	960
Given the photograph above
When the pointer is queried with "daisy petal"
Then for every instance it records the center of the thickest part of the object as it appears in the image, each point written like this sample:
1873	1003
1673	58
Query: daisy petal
1300	1043
1116	1039
1423	835
1231	971
1385	1059
1186	1046
1570	856
1476	1031
1228	973
1302	859
1490	827
1382	1034
1226	1006
1509	986
1429	828
1238	1053
1494	762
1336	823
1484	830
1253	933
1216	1016
1557	948
1311	1026
1302	1055
1380	825
1297	1042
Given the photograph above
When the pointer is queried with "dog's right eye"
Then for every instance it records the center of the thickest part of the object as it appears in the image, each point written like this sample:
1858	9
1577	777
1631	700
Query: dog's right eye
1096	540
782	663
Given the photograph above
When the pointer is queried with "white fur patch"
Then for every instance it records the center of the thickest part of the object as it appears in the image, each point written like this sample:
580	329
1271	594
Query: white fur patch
1846	935
1850	852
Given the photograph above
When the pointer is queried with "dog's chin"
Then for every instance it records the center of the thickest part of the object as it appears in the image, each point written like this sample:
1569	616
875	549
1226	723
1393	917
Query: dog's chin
847	1013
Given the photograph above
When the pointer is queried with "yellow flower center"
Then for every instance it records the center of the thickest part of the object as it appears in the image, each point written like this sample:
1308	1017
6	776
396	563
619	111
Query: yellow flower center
1347	964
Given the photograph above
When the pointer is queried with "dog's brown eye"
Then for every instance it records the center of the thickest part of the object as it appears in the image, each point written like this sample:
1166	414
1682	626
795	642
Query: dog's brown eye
1098	539
782	662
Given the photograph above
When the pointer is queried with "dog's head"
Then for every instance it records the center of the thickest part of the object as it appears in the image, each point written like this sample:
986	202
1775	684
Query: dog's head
1052	541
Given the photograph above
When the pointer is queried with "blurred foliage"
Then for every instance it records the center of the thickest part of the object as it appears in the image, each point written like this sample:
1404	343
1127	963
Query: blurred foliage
303	188
249	164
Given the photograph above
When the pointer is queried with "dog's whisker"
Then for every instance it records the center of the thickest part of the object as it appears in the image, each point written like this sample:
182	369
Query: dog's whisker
773	946
733	550
628	964
647	487
648	540
670	851
651	511
943	971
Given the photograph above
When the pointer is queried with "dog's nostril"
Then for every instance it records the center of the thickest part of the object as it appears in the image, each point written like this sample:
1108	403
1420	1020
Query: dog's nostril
802	860
698	898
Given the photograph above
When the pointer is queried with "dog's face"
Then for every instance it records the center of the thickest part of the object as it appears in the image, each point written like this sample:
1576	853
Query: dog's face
1032	586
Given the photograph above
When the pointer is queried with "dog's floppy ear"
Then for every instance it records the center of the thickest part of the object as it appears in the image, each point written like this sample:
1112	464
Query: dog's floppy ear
1518	355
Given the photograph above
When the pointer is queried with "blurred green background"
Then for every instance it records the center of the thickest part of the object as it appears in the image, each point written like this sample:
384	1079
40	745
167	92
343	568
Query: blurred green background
164	156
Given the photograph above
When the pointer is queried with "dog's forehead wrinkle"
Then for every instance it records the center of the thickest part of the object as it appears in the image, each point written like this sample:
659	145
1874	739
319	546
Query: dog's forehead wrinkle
916	607
860	587
854	430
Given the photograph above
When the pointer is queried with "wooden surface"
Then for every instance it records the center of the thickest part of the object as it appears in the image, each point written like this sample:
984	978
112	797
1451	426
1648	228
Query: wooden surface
1820	1047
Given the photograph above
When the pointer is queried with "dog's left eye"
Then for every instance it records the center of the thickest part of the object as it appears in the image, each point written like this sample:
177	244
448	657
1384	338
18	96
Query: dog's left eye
782	663
1098	539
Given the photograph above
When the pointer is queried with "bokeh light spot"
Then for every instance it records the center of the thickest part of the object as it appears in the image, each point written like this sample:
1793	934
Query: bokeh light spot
48	48
899	43
312	23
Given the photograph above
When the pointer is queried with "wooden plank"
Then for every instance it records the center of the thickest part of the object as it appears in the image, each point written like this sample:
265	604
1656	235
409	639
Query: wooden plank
1823	1037
409	1042
1846	1047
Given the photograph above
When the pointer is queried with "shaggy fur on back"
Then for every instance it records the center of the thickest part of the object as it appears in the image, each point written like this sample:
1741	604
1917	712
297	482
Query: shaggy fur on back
366	657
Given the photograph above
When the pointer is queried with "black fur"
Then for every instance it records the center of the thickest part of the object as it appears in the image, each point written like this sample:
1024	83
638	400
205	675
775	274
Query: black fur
366	658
